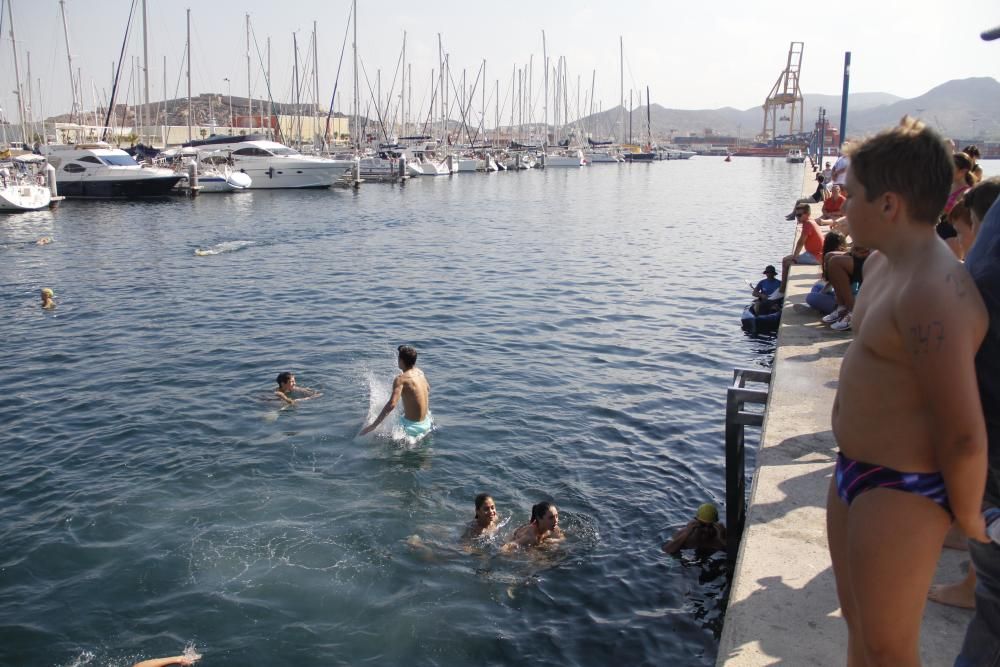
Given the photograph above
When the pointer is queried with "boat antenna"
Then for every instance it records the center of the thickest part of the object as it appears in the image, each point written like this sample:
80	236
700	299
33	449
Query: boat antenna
118	72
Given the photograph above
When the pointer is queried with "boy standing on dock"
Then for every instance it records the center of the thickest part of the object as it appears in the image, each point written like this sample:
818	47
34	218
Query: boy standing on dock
907	416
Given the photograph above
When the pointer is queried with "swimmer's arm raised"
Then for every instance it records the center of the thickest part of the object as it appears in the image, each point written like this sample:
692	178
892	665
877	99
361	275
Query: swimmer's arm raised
397	391
942	332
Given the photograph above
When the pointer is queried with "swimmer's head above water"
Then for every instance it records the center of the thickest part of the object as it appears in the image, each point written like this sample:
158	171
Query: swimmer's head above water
286	381
407	357
486	510
707	513
545	516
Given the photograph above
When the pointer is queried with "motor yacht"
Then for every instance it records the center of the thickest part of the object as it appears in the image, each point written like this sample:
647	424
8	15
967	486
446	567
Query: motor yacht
98	171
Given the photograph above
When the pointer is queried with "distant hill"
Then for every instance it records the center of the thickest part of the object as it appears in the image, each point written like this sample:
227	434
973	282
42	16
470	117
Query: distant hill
962	109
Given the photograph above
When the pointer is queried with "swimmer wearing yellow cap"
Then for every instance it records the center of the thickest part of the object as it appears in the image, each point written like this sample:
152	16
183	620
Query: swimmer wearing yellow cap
702	533
48	302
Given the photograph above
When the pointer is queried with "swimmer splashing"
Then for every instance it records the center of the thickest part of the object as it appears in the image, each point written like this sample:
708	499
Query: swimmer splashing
413	388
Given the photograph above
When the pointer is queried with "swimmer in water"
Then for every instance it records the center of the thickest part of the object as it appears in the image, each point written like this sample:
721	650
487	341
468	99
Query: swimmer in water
702	533
290	392
485	522
413	388
48	301
543	528
45	240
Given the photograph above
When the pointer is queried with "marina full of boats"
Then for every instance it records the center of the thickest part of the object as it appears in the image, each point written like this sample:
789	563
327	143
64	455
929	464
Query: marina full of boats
218	164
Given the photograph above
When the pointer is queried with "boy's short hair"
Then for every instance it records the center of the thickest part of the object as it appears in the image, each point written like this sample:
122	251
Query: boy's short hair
408	355
284	378
910	160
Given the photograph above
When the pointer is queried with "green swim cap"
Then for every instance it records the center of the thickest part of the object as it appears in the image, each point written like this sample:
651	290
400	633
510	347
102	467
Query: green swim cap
708	513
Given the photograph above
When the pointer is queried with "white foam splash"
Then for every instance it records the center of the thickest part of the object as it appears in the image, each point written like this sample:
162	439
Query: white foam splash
225	246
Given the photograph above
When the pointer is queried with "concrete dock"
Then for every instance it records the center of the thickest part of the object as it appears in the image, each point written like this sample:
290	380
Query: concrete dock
783	605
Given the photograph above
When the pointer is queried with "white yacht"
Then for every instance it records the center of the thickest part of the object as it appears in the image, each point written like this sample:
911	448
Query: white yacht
97	171
215	172
272	165
567	158
22	185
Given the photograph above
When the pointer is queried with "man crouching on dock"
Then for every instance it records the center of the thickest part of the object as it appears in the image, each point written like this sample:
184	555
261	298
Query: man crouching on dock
413	388
907	416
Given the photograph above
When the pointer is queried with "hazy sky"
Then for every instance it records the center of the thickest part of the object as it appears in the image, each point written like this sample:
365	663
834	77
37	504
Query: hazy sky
691	55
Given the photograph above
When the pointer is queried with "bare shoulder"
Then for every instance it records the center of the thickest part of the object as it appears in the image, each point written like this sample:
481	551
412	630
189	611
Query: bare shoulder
940	303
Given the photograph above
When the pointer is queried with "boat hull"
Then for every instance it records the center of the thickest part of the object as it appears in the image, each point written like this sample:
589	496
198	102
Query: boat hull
134	188
15	198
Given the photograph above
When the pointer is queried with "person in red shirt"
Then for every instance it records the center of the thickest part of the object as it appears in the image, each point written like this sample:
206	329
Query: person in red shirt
833	204
811	239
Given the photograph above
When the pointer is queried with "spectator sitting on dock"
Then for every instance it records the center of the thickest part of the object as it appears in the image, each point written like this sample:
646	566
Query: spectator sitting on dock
827	174
821	296
907	416
811	239
703	533
816	197
832	205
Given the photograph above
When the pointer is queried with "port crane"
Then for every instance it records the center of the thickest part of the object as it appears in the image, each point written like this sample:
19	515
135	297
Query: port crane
785	93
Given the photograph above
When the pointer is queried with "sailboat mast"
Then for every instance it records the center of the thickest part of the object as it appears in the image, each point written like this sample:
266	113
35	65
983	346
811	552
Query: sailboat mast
298	109
357	110
145	67
249	93
593	79
189	70
621	81
316	78
402	89
545	104
69	60
649	124
17	75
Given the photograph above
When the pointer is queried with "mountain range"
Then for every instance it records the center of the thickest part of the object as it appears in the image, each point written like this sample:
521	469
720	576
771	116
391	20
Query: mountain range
961	109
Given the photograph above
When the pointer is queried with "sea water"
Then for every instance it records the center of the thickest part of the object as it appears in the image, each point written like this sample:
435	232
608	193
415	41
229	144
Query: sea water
578	329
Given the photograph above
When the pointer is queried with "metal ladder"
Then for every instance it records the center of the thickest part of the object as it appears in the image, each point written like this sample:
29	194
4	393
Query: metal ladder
737	418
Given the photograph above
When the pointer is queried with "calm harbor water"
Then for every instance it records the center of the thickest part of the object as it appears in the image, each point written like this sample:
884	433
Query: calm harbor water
578	329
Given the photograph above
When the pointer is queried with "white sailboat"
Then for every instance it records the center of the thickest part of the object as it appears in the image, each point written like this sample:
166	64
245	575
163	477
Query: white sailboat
22	186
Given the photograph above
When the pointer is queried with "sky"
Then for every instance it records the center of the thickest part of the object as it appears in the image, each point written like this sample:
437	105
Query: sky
690	55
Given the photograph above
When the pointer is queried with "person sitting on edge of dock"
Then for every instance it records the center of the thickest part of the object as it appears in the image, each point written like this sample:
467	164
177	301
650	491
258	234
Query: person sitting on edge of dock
906	419
816	197
543	528
702	533
832	205
290	392
811	239
821	297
